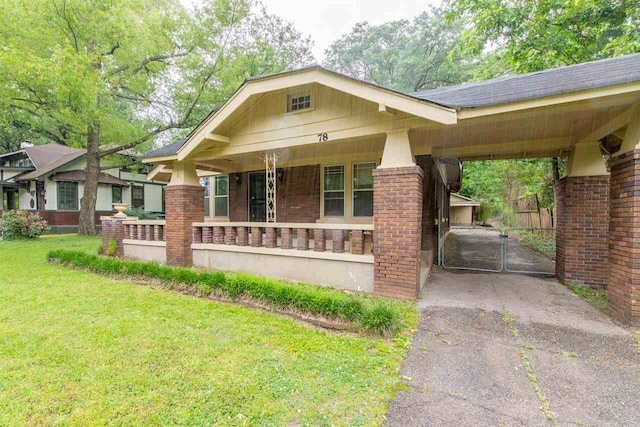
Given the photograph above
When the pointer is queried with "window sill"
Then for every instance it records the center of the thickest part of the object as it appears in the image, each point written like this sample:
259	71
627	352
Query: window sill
217	219
304	110
345	220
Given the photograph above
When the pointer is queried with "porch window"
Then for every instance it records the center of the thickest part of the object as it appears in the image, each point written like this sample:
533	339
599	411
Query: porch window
333	190
67	196
137	196
206	183
116	194
221	196
363	189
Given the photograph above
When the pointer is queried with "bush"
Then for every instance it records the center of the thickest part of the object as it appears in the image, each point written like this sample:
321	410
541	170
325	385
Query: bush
21	224
140	213
364	312
112	247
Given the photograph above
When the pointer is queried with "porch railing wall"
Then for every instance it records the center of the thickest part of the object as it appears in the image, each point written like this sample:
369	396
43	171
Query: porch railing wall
146	230
337	238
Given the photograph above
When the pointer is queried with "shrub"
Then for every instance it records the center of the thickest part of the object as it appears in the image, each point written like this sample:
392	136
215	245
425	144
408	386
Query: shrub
367	313
140	213
112	247
20	224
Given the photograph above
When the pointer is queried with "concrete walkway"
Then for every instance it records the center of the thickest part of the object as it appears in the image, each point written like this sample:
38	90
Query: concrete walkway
513	350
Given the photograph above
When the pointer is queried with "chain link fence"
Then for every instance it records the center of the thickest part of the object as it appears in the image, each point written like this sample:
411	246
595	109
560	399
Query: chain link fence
491	249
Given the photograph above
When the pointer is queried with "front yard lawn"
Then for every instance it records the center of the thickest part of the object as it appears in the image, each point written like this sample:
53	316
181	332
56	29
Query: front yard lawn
77	348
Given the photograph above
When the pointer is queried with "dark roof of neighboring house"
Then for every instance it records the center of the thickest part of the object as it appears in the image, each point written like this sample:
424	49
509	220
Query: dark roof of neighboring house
501	90
81	176
522	87
167	150
48	158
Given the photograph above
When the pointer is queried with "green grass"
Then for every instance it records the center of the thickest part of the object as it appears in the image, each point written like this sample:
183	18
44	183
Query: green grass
595	297
361	312
82	349
541	242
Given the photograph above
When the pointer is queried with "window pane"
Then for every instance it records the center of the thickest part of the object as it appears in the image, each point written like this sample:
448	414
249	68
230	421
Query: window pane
221	208
116	194
137	196
334	178
333	206
363	176
67	196
363	203
222	185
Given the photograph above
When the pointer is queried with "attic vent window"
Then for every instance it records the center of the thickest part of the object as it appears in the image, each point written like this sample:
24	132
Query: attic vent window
299	103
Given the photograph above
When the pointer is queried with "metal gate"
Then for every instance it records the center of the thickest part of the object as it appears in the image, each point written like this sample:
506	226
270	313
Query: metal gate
508	250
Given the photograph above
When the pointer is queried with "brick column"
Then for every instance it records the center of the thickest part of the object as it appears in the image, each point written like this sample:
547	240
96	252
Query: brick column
397	219
184	205
286	238
319	243
624	238
582	227
113	228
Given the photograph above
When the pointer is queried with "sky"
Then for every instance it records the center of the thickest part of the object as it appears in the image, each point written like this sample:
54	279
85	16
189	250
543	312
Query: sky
327	20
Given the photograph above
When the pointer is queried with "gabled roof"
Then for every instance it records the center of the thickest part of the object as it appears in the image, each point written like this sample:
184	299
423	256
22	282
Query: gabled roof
48	158
450	100
522	87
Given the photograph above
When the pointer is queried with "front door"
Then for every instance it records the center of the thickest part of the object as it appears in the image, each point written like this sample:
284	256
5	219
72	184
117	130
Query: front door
257	197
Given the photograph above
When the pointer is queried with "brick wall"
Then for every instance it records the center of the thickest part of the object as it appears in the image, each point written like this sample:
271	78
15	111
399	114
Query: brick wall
582	228
69	217
298	195
112	228
184	204
397	220
428	202
624	238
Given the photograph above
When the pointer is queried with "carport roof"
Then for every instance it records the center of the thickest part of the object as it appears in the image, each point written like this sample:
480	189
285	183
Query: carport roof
539	84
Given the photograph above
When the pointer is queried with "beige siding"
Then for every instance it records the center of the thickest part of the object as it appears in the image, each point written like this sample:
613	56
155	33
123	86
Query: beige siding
461	215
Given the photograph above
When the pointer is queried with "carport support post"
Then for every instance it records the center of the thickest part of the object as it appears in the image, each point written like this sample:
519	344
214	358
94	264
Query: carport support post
582	218
397	219
184	205
624	227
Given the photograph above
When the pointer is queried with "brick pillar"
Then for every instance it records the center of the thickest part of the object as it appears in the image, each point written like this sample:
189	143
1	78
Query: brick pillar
357	242
113	228
286	238
184	205
397	219
319	243
243	236
303	239
582	227
337	239
229	235
271	237
218	235
624	238
256	237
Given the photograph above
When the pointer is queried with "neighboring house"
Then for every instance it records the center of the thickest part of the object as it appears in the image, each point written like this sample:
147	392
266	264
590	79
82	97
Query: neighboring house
462	209
50	179
312	166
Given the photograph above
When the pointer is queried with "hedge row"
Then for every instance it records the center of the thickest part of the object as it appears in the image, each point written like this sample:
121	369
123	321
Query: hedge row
363	312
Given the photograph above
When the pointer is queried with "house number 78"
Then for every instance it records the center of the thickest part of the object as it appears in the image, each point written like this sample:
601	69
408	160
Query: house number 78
323	137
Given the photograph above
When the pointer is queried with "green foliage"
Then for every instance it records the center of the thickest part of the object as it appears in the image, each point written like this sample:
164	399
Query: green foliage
20	224
596	297
531	35
112	247
140	213
365	312
497	184
540	241
404	55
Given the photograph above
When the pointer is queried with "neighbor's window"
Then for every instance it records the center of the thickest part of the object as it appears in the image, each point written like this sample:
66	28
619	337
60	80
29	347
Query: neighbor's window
205	182
221	196
363	189
137	196
116	194
67	196
297	103
333	190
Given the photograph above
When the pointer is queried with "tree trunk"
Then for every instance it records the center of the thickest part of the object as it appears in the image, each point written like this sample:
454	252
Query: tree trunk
87	223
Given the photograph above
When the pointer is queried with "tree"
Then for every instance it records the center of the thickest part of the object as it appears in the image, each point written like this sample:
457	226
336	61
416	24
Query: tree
408	56
532	35
111	75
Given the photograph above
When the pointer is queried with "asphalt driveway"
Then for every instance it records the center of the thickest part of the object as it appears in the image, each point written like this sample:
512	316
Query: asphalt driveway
513	350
